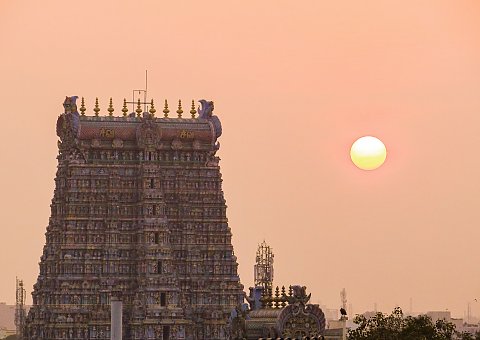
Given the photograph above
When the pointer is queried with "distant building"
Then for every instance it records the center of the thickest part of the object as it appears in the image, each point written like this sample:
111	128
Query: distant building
7	319
4	332
458	323
7	316
470	328
462	326
440	315
369	314
330	314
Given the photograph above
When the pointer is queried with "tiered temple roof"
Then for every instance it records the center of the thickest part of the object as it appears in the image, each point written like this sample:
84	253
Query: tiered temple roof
138	214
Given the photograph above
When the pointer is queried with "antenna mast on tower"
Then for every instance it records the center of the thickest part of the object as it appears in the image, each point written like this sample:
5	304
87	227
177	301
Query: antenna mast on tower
263	270
343	311
137	100
343	298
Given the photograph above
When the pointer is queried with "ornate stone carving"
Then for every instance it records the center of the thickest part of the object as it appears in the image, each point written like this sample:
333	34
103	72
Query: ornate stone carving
68	124
148	134
117	143
196	144
206	112
299	320
177	144
299	295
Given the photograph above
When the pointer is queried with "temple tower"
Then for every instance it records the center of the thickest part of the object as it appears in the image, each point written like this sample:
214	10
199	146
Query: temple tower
138	216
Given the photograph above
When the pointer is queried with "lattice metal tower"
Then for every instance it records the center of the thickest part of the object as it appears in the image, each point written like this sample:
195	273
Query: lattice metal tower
20	308
263	270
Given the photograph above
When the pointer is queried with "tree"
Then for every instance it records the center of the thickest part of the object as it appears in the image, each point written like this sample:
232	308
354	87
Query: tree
397	327
468	336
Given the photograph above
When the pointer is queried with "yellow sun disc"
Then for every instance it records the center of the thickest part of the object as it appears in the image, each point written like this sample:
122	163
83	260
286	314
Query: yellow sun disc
368	153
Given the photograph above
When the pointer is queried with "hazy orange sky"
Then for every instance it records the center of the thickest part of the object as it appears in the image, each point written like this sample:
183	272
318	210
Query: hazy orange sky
294	83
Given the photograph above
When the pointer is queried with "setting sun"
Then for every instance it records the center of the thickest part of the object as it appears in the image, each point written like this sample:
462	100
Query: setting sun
368	153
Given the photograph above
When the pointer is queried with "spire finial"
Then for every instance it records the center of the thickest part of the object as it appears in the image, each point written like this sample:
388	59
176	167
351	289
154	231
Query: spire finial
277	297
96	109
193	111
82	107
139	108
152	108
270	297
110	108
124	110
179	111
166	110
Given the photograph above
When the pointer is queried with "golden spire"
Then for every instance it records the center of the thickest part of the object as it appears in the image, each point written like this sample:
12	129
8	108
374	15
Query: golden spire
124	110
96	109
193	111
110	108
284	296
82	107
179	111
139	108
277	297
270	297
166	110
152	109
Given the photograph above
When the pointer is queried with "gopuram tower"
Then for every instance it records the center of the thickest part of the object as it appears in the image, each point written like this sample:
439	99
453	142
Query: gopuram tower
138	215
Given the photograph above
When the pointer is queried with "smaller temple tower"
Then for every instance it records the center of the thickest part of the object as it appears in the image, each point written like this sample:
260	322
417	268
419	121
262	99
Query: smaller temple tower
275	312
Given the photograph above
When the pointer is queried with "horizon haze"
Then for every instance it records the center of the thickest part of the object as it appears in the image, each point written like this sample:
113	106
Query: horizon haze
294	85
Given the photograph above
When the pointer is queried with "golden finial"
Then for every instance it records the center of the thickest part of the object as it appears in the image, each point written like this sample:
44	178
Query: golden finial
284	296
110	108
270	297
82	107
166	110
179	111
152	109
193	111
277	297
124	110
96	109
139	108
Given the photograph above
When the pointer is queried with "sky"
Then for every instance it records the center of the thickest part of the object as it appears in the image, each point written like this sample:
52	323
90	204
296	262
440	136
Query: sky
295	83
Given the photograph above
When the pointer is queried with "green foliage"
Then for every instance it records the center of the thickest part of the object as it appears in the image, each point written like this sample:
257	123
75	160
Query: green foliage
468	336
397	327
